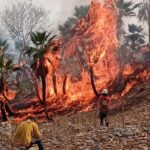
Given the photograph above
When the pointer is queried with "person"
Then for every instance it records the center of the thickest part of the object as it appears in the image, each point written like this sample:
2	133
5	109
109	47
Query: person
27	134
104	107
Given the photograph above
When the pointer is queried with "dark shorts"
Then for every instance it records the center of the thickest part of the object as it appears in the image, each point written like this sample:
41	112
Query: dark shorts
103	114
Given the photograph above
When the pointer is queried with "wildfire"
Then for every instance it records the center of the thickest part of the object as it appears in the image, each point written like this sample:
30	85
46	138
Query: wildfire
128	70
91	47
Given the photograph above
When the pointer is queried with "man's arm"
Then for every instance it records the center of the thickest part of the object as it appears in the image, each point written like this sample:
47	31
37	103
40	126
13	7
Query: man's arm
36	131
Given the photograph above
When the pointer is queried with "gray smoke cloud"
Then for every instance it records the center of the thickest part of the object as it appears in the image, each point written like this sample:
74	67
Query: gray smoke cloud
60	10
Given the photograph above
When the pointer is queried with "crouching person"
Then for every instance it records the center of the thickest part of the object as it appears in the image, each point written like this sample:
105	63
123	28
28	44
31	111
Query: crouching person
27	134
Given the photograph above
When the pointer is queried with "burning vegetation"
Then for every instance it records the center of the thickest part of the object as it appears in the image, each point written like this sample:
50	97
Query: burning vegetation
69	73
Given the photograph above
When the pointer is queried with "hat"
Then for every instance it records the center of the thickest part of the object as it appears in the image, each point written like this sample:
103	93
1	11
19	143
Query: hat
104	91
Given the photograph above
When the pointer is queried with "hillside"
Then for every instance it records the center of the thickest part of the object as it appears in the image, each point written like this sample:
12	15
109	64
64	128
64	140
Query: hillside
82	131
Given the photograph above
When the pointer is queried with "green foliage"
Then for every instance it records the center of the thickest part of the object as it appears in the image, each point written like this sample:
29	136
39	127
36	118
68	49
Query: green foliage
6	66
135	38
81	11
30	51
41	40
126	9
134	28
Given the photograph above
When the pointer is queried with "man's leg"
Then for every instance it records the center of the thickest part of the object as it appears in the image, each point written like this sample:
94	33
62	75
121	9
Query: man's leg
3	111
106	120
39	143
101	119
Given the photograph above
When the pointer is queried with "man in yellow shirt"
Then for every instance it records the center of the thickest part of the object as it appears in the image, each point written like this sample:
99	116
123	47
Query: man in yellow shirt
27	134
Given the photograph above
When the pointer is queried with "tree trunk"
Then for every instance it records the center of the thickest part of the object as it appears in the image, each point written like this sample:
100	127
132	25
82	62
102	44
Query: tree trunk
54	83
46	112
133	45
3	111
44	90
92	82
35	83
44	97
64	85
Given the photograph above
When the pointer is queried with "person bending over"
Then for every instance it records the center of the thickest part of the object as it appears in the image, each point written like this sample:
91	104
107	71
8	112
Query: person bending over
27	134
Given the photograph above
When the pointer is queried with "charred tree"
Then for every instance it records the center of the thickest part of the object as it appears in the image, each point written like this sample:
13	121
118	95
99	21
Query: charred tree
64	85
5	108
92	82
54	83
43	73
43	42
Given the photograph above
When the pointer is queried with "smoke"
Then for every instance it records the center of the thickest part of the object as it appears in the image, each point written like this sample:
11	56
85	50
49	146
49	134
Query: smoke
61	10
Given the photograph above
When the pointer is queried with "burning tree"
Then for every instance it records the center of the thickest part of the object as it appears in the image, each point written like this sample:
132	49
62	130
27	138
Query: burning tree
19	20
92	48
66	28
82	61
6	69
43	43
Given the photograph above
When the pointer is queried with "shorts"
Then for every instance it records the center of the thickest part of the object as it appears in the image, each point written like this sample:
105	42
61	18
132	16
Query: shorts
103	114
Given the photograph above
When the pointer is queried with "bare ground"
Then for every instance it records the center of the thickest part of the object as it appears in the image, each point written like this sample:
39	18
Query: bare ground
83	132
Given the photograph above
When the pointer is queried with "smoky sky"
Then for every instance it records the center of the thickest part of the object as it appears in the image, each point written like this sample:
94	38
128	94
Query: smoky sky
60	10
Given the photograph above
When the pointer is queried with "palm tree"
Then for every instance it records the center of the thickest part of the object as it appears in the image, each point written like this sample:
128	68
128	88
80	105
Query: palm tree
42	42
144	14
6	68
79	12
6	65
125	9
135	38
67	26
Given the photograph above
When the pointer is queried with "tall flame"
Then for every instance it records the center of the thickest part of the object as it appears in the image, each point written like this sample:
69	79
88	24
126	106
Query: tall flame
93	45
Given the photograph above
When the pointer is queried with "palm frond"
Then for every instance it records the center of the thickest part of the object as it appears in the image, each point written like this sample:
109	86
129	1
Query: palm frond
127	8
143	12
30	51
